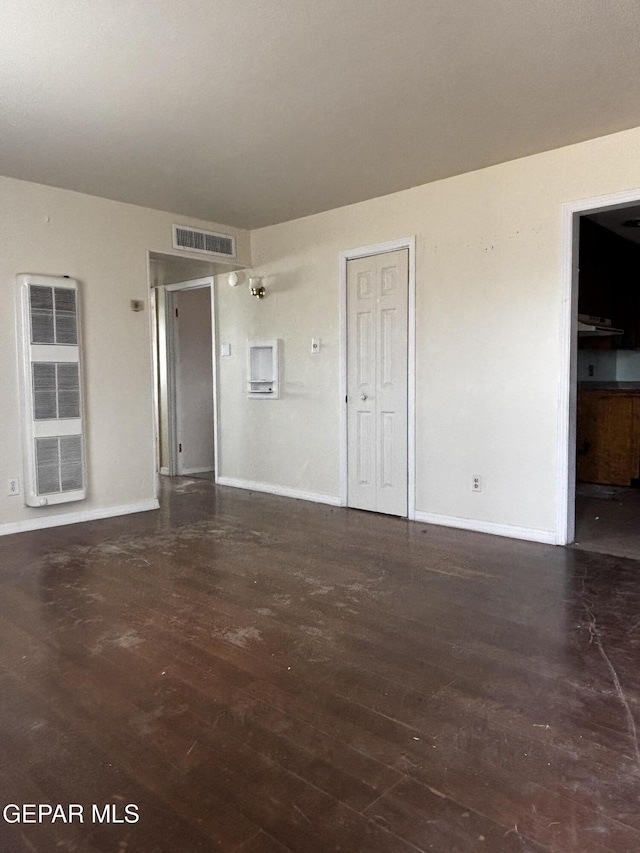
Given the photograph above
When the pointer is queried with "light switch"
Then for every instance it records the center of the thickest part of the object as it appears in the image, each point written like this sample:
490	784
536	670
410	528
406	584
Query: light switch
226	349
315	345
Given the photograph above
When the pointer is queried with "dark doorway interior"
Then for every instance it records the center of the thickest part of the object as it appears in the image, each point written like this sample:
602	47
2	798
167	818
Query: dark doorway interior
608	425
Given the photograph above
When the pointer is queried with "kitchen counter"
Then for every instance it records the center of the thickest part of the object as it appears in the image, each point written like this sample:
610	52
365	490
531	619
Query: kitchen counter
608	386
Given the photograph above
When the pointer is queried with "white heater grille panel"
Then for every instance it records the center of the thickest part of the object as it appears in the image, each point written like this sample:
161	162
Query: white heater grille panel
53	315
45	395
47	465
59	464
56	390
65	313
68	375
41	303
51	390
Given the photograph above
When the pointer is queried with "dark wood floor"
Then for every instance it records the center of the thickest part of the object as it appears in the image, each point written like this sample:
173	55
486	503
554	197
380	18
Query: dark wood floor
262	675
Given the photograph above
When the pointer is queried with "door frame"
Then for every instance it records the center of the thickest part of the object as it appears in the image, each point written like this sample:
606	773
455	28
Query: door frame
364	252
173	390
568	383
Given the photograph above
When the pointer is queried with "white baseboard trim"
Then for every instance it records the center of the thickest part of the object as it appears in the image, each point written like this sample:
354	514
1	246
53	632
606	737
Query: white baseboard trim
186	471
164	471
283	491
531	534
44	521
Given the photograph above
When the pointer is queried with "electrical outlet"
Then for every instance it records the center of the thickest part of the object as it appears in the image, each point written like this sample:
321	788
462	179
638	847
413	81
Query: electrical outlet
13	486
591	370
476	483
315	345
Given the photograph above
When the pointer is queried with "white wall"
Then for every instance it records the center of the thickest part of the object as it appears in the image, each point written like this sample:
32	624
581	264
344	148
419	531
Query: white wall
628	366
621	365
487	327
293	441
602	361
104	245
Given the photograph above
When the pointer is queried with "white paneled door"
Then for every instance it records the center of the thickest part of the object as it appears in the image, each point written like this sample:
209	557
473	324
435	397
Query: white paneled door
377	382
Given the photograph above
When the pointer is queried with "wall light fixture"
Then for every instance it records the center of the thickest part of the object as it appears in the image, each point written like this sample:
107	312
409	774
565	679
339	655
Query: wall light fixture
256	287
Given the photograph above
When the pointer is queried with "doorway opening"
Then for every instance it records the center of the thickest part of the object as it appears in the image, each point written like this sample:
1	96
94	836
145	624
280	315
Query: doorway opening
186	379
377	329
604	413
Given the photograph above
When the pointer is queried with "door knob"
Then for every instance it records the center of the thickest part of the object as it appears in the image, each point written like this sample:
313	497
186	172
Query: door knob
363	396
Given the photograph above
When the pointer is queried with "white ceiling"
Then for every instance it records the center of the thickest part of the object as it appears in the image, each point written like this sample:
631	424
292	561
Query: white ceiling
251	112
613	219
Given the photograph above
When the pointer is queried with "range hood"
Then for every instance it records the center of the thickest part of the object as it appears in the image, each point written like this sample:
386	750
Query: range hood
595	327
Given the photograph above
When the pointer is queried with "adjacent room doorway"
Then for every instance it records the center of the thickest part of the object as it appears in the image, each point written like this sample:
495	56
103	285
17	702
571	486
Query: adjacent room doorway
599	435
188	447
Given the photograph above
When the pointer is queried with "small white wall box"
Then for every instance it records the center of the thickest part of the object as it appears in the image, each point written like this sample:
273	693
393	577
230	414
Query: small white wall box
49	346
263	369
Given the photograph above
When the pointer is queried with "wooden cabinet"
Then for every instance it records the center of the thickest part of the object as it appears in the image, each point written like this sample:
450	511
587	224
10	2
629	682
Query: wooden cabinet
608	437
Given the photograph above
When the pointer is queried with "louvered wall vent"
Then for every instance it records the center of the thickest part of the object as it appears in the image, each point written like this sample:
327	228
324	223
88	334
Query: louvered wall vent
51	390
205	242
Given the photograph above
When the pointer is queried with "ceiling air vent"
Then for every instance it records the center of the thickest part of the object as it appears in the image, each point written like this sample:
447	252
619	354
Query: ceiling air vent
206	242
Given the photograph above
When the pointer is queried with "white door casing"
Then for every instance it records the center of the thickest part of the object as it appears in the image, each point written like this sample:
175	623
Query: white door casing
377	382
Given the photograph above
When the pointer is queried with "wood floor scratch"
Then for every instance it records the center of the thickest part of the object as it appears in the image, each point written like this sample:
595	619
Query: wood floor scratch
596	637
